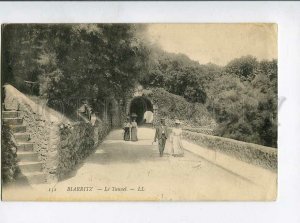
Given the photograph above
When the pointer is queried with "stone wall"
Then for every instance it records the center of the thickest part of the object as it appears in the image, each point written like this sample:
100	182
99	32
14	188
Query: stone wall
77	141
59	142
207	130
41	124
263	156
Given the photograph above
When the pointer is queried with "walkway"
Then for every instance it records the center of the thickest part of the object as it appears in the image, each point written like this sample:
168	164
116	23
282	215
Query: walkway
134	171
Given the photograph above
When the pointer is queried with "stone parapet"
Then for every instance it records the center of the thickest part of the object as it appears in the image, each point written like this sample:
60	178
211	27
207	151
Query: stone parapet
262	156
59	142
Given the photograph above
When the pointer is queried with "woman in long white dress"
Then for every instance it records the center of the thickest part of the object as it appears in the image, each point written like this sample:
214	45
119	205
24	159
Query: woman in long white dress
176	136
134	130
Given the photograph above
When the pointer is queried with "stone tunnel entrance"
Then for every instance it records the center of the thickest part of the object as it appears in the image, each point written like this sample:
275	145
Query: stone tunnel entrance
139	105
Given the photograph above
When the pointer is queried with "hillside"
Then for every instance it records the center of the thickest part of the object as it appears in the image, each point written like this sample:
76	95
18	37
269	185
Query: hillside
241	96
171	106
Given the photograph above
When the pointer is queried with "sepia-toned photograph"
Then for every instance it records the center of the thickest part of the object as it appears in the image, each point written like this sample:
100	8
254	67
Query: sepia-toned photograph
139	112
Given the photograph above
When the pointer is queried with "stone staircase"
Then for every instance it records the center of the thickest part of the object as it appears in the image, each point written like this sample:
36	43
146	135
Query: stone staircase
30	166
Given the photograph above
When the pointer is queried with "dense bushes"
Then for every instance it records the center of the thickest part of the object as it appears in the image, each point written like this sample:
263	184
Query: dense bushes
243	67
177	74
173	107
77	141
244	103
241	96
9	167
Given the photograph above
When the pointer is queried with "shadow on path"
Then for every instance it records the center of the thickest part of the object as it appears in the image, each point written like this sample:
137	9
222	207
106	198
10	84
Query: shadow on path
121	152
114	150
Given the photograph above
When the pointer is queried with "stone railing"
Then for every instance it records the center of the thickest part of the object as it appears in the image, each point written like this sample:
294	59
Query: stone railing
203	130
59	142
263	156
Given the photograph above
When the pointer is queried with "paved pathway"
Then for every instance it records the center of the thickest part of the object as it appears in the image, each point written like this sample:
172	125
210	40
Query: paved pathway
128	167
137	164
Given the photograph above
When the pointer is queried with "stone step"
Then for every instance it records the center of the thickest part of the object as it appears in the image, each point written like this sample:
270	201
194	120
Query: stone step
32	177
22	136
7	109
13	121
26	167
29	156
18	128
25	146
10	114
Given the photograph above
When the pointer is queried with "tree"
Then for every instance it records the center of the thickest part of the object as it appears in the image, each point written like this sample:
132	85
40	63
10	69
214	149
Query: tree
177	74
75	61
243	67
247	110
21	55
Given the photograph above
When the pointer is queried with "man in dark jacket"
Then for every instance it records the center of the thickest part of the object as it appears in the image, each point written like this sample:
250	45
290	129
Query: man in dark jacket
161	134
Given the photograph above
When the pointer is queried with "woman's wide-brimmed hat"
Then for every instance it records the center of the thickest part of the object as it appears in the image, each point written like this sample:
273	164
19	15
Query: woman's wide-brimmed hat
177	121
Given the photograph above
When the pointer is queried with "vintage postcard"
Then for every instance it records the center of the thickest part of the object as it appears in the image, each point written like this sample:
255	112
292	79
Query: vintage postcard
139	112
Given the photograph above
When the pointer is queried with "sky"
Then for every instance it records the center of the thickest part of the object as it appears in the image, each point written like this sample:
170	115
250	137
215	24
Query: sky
217	43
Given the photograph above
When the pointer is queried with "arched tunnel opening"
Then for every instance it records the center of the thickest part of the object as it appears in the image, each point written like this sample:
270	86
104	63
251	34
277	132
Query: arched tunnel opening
139	106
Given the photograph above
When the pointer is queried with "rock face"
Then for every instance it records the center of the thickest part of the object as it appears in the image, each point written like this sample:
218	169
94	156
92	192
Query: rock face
59	142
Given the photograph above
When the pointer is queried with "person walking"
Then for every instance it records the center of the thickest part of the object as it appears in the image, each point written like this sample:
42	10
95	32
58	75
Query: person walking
161	134
127	129
134	130
175	138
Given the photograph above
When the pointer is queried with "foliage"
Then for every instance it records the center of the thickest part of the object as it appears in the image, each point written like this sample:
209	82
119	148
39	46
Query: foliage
247	109
173	107
177	74
243	67
9	166
20	57
241	96
75	61
100	61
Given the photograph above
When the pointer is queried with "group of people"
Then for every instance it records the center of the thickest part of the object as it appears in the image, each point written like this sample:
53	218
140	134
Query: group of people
130	130
163	134
86	112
